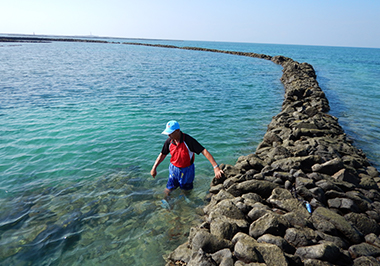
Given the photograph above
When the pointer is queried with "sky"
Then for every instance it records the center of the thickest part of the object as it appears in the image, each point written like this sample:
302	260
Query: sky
352	23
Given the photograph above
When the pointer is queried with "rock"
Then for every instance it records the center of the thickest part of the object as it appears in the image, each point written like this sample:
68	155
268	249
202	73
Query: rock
366	261
327	186
368	182
364	249
278	153
271	254
291	205
215	189
305	182
245	249
299	237
208	242
268	224
223	257
280	194
318	194
260	187
347	176
329	168
293	260
223	229
339	242
323	225
241	263
252	197
270	138
343	203
372	171
325	252
360	200
312	262
278	241
181	253
303	163
364	224
340	224
373	239
258	210
229	212
230	170
200	258
295	219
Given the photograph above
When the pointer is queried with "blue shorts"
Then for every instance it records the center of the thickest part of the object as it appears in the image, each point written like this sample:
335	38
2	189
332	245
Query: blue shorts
181	177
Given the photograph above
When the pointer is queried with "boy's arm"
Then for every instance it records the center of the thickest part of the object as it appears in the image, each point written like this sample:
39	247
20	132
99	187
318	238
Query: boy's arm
218	172
159	159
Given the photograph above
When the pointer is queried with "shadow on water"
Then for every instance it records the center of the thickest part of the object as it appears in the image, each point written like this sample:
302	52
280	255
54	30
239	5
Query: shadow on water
119	215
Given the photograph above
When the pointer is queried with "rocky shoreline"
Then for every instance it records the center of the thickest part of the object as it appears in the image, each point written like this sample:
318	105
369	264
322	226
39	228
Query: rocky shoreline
307	196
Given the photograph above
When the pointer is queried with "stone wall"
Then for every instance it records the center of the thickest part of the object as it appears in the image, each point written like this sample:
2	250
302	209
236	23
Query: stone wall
307	196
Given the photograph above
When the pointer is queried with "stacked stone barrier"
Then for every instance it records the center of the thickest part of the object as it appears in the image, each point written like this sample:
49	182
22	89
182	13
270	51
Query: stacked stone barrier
307	196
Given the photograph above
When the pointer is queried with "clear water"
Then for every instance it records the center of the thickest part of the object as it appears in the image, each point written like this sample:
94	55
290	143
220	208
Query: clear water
80	128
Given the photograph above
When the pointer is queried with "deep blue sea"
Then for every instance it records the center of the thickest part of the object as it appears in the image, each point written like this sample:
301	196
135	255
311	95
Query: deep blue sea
81	123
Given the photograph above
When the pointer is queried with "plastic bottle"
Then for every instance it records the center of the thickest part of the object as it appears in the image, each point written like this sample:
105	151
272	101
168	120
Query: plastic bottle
308	207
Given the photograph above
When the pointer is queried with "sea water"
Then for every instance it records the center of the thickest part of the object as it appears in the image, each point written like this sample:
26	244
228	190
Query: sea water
80	128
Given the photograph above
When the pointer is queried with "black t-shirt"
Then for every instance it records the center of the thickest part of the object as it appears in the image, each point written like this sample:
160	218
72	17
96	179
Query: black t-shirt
192	143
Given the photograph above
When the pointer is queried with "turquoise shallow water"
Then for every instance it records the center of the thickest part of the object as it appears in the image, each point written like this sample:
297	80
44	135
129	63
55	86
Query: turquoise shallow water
80	128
